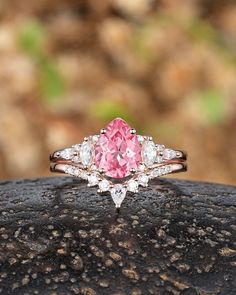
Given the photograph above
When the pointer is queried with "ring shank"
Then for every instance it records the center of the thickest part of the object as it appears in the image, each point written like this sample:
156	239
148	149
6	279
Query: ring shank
175	167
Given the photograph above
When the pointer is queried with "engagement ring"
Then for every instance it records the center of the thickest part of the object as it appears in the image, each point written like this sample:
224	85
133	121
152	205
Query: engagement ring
118	161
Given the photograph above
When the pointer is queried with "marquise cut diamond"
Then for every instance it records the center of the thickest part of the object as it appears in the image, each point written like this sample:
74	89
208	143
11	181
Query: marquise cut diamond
86	153
149	152
67	154
169	154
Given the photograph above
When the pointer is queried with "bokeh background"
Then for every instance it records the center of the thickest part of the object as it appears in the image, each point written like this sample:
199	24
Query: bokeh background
68	67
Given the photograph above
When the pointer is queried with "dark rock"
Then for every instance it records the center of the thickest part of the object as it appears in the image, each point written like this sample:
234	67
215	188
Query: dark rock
59	237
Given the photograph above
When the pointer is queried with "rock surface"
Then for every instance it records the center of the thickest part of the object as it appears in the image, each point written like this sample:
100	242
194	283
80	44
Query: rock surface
59	237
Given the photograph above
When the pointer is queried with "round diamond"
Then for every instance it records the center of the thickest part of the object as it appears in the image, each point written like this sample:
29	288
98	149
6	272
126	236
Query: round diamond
140	138
86	153
70	169
77	147
77	172
167	169
104	185
155	173
163	170
95	138
159	159
93	179
141	167
93	168
76	159
132	186
84	175
149	152
160	147
143	179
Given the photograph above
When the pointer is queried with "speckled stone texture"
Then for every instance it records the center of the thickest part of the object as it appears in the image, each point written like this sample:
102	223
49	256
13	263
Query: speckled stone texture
59	237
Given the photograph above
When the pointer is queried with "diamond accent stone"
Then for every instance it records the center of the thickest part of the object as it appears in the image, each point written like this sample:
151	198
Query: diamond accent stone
161	171
93	167
167	169
77	172
132	186
86	153
141	167
104	185
84	175
67	154
149	152
95	138
77	147
76	159
155	173
93	180
159	159
117	151
140	138
118	193
160	147
143	179
69	170
169	154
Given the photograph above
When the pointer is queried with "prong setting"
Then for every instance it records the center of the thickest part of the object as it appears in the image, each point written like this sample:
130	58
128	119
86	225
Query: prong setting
103	131
132	131
133	170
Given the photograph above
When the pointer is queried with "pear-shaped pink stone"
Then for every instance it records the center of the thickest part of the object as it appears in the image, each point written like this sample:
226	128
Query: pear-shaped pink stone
118	150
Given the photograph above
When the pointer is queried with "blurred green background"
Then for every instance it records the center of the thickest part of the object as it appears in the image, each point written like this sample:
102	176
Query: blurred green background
68	67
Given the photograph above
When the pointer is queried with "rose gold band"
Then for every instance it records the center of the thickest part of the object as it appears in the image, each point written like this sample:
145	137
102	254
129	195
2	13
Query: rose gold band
61	166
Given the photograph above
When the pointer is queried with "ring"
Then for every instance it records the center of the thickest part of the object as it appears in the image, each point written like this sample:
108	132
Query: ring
118	160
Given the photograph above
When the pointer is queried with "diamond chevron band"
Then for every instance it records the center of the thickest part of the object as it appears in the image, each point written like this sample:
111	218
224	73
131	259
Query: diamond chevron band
118	160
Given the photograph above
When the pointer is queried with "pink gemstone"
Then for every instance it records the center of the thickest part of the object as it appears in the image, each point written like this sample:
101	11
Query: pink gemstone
117	151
